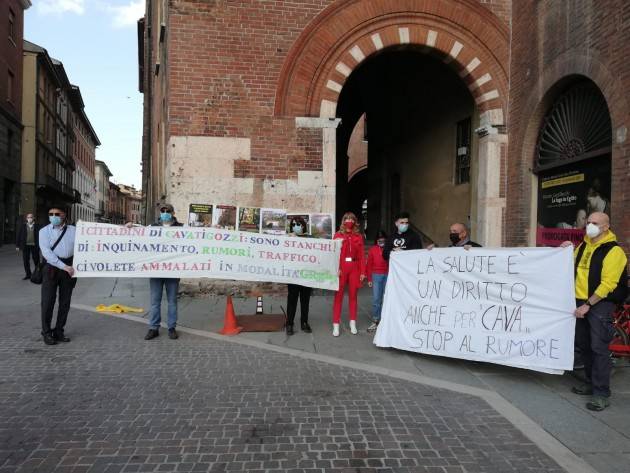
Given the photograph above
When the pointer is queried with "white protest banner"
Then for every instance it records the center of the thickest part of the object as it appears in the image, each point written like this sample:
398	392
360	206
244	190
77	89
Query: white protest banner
511	306
103	250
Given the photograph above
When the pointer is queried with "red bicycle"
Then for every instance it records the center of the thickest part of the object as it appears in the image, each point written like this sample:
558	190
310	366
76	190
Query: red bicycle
620	344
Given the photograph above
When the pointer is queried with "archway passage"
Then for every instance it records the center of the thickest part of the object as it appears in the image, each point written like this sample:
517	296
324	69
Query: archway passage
465	33
420	116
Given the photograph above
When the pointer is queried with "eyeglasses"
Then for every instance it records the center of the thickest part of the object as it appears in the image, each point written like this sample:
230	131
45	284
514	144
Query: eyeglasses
55	214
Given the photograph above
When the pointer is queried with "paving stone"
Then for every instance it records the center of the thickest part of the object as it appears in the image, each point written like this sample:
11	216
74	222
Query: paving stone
109	402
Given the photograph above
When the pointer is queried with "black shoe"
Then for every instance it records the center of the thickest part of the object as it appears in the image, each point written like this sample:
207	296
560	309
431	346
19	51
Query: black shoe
290	329
172	334
60	337
151	334
583	390
306	328
28	276
49	339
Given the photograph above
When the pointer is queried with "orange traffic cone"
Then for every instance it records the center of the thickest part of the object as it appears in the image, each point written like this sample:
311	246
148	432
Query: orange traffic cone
230	325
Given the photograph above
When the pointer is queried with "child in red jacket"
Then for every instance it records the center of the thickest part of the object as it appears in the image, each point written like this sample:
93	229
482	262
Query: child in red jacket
351	270
376	270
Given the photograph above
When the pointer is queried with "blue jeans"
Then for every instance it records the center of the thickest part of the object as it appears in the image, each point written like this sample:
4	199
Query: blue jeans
157	285
378	289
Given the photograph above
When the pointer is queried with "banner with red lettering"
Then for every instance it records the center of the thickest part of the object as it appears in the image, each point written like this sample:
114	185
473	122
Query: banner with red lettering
511	306
104	250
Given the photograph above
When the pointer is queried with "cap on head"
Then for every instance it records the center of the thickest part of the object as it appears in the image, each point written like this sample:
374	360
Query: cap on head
166	208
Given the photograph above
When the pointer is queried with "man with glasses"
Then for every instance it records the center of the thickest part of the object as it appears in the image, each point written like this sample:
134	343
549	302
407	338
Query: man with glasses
56	243
601	282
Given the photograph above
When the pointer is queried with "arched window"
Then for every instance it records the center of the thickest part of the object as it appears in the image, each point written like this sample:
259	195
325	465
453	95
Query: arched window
573	163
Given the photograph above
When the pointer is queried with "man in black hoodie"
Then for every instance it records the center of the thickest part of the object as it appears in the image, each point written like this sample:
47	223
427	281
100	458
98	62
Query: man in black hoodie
403	239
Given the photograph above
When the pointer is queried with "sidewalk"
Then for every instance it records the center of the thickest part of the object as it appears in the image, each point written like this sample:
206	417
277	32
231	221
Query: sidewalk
601	439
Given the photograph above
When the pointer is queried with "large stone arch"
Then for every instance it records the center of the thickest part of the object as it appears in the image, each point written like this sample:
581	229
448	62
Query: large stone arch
464	33
522	181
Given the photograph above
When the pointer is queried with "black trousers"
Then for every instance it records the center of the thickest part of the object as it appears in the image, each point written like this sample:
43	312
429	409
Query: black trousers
55	280
593	333
304	294
28	252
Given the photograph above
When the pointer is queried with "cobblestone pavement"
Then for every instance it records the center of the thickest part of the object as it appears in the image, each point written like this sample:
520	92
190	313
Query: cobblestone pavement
111	402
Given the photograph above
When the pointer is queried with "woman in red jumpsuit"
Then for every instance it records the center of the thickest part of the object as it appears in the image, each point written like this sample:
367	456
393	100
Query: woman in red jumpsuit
351	270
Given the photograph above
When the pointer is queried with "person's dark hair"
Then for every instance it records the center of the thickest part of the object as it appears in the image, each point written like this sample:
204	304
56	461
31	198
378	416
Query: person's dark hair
61	207
298	221
380	234
402	215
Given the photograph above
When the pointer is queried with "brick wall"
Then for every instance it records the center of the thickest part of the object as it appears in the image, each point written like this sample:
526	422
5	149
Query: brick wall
552	41
224	64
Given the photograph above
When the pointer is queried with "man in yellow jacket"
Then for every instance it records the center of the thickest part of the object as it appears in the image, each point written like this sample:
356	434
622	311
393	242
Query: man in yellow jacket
600	284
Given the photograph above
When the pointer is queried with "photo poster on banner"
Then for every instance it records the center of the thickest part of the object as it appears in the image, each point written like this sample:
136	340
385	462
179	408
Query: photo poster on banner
200	215
249	219
299	216
567	196
224	217
322	225
273	221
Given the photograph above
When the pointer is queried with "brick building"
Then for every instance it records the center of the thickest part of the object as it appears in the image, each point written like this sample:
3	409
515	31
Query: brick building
47	163
116	204
569	66
11	35
84	155
257	103
102	175
132	203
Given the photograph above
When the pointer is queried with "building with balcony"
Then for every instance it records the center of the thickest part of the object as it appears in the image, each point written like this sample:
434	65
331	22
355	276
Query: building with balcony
116	204
84	156
47	164
132	203
11	34
102	175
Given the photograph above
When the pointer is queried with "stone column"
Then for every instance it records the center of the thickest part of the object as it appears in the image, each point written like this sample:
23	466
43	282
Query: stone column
329	158
490	204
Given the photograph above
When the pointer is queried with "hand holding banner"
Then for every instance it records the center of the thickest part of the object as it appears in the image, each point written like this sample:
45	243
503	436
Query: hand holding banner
103	250
511	306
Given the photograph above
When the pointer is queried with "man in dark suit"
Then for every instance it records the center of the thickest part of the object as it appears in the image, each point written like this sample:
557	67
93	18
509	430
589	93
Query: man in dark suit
458	234
28	243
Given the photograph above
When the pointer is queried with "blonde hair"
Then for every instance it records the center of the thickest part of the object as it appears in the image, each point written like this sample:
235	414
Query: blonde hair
352	216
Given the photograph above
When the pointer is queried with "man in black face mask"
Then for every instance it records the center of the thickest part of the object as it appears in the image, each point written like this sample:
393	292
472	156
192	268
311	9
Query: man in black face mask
458	234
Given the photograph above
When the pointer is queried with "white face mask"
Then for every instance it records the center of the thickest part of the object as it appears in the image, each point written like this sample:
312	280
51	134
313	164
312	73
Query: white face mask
592	230
29	220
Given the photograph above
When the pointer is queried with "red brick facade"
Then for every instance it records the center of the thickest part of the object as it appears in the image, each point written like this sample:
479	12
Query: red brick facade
551	43
230	66
247	70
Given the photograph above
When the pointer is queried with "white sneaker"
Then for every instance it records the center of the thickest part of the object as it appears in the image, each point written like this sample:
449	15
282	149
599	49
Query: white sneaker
335	330
353	327
373	327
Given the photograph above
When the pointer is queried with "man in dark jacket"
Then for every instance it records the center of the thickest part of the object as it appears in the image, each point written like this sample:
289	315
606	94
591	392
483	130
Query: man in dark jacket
157	286
28	243
403	238
458	234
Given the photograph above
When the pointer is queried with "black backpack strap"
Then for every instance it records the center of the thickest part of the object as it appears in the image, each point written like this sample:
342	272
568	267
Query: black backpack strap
578	257
63	232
